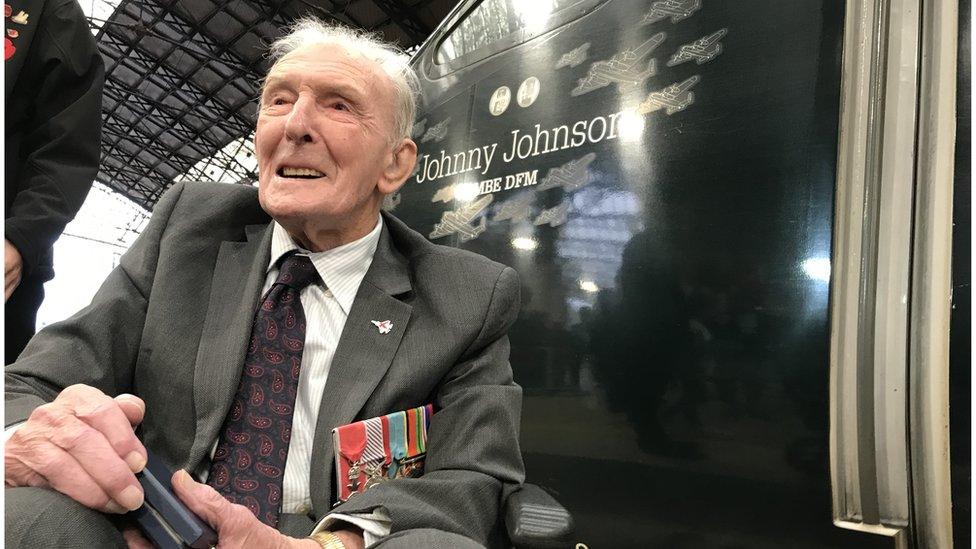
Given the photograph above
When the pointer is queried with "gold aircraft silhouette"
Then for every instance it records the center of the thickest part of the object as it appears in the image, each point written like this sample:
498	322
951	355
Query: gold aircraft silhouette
673	98
677	10
702	50
459	220
624	69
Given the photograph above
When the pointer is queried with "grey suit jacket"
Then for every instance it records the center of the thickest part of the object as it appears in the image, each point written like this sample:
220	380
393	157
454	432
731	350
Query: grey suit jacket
171	324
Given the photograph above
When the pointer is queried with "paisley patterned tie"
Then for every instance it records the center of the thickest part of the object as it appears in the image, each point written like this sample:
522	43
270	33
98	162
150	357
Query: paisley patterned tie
249	463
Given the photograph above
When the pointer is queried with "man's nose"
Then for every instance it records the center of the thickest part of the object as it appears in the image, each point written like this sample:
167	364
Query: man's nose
298	128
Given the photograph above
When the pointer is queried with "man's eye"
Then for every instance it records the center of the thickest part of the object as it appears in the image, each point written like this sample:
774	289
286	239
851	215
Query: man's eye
340	106
278	101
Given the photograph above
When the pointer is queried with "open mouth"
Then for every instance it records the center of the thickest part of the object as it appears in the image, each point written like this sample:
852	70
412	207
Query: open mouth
300	173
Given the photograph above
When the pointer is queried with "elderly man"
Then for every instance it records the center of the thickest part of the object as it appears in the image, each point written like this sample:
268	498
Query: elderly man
181	337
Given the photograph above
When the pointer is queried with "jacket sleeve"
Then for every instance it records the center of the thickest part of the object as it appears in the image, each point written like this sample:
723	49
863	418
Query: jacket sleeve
473	457
60	150
98	346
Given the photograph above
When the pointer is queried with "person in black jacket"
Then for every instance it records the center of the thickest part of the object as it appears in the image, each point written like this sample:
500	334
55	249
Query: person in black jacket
53	93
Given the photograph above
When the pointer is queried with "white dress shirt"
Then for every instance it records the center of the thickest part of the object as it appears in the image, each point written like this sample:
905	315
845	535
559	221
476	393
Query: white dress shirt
326	307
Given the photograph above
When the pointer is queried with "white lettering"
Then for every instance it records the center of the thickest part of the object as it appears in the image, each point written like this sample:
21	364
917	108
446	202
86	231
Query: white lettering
579	133
522	146
555	137
436	168
613	125
603	129
421	176
510	155
539	134
489	154
527	140
459	163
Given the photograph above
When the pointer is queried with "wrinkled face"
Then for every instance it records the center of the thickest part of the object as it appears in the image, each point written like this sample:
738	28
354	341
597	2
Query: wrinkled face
323	141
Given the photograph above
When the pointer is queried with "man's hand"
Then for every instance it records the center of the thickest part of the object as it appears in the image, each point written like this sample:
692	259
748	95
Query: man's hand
84	446
351	537
12	266
134	539
235	525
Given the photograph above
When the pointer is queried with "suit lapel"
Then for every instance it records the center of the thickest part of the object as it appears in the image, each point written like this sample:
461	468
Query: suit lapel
239	275
362	358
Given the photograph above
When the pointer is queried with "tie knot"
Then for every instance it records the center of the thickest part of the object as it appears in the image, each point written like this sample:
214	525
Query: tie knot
297	272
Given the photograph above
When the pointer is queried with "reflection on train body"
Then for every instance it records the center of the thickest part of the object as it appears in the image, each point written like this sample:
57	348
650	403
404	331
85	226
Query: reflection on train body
661	175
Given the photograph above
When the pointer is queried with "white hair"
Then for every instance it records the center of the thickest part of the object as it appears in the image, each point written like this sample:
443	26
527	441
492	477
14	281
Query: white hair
391	60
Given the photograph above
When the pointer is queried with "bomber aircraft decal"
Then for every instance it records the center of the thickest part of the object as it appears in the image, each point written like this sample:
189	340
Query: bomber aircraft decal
459	221
573	57
570	176
677	10
516	209
392	201
553	217
418	128
444	194
673	98
436	132
624	69
702	50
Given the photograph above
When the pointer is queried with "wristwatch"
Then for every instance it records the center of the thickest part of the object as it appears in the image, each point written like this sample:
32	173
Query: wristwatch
328	540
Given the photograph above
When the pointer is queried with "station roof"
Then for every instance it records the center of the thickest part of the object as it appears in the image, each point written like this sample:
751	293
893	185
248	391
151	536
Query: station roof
181	80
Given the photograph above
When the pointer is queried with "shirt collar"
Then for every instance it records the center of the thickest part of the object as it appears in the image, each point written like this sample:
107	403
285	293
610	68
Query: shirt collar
342	269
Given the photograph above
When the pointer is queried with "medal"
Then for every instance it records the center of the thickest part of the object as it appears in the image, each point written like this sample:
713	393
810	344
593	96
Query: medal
374	475
351	445
372	451
398	440
353	475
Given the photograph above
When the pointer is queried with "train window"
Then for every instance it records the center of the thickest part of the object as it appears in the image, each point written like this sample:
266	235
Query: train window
496	25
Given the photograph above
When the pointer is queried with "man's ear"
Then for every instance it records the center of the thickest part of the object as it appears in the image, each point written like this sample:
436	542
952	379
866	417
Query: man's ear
400	166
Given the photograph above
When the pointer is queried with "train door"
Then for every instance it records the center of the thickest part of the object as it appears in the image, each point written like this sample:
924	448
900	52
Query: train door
665	177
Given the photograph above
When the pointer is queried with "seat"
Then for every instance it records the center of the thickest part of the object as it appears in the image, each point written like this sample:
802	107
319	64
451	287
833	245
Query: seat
535	520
